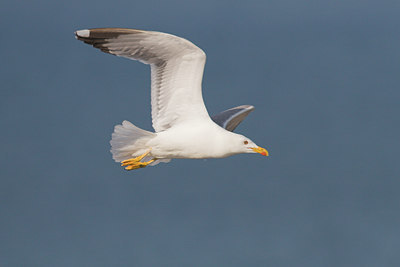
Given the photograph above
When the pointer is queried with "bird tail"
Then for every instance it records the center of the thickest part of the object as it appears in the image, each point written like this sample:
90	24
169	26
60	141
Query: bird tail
129	141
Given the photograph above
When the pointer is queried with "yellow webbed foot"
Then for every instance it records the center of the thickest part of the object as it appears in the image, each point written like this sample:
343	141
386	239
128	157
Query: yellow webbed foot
135	163
134	160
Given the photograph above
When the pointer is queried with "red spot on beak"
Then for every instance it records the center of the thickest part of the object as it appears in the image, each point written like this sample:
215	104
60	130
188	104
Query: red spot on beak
260	150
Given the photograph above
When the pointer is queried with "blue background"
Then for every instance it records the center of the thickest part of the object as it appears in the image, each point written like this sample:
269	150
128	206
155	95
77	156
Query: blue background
324	78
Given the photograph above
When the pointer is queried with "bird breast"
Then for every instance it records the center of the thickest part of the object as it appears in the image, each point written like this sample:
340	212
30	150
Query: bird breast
196	140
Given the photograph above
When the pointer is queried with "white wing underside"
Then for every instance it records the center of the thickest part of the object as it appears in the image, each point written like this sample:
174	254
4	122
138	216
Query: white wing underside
176	70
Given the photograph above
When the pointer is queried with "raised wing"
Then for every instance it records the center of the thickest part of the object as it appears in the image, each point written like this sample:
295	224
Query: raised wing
231	118
176	70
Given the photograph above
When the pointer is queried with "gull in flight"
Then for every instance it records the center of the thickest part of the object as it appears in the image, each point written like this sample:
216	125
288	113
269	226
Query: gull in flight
183	128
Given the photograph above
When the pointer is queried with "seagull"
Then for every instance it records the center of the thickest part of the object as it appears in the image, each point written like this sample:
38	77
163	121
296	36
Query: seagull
183	127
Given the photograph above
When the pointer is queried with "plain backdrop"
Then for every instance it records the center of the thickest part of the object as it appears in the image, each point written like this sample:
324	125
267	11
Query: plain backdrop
324	78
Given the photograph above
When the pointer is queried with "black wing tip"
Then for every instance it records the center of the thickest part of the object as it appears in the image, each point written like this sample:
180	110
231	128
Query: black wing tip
243	108
103	33
247	107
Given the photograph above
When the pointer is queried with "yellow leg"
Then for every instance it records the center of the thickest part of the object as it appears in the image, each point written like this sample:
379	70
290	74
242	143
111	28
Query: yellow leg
135	163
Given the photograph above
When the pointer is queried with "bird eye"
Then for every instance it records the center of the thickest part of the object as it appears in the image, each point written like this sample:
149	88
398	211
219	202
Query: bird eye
245	142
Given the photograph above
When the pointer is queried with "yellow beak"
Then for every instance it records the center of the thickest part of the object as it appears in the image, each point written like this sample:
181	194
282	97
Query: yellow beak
260	150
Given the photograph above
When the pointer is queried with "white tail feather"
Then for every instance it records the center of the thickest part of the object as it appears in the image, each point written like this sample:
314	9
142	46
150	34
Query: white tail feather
129	141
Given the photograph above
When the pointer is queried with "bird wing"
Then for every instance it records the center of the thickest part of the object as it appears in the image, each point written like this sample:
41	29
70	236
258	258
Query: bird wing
231	118
176	70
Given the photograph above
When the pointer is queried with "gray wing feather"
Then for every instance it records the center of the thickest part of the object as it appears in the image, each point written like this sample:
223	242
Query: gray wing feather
231	118
176	70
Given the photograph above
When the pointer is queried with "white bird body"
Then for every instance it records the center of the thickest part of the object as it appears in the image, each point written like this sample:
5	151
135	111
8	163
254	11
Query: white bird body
197	139
183	128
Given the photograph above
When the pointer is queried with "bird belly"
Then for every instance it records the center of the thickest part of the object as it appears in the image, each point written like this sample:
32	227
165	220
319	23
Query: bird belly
190	143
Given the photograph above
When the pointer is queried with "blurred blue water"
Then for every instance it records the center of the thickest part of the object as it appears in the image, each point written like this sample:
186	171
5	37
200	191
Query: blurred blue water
323	77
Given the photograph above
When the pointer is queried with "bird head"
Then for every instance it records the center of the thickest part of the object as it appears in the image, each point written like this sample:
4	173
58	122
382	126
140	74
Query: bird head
245	145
